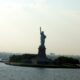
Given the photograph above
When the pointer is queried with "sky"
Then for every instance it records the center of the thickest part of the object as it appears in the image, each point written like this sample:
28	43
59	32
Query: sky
20	21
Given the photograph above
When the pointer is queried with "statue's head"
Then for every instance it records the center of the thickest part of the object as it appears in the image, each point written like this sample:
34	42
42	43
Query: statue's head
42	32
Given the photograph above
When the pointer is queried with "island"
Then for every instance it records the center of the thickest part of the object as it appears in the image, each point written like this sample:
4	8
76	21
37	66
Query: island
41	60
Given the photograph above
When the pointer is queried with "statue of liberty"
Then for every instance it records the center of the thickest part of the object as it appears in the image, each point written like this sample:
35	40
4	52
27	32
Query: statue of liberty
42	50
43	36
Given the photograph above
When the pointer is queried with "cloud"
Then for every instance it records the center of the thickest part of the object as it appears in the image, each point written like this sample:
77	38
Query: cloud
34	5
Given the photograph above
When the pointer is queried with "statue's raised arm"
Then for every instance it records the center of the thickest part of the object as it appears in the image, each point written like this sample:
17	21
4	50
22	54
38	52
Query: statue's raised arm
40	30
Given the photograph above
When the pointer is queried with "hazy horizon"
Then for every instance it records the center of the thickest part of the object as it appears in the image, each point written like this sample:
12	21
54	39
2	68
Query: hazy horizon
20	21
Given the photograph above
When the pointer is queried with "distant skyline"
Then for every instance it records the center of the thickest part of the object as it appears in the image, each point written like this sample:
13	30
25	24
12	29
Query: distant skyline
20	21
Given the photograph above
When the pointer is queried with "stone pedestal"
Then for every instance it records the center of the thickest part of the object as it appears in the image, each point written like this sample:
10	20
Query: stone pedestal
41	54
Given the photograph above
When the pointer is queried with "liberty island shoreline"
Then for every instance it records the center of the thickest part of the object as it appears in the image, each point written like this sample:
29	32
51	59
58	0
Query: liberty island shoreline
44	66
